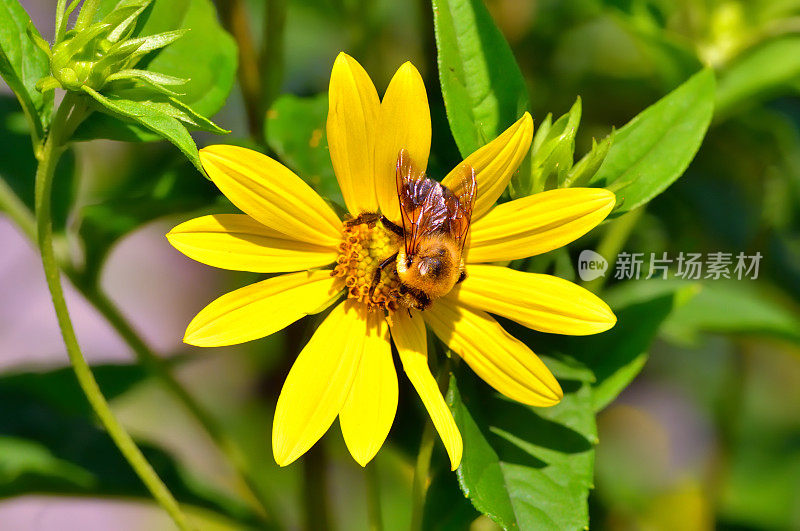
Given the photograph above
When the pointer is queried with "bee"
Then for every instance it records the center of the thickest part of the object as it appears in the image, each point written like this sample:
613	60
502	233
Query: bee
435	226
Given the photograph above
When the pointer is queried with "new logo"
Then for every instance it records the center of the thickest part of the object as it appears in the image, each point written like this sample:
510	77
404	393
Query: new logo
591	265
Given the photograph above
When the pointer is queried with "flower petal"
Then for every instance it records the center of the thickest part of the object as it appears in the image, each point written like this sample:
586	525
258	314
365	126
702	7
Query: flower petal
368	413
270	193
240	243
318	383
260	309
495	163
404	122
542	302
409	337
538	223
503	361
353	107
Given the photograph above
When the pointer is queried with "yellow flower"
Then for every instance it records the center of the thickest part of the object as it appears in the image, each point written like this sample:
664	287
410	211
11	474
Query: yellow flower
346	369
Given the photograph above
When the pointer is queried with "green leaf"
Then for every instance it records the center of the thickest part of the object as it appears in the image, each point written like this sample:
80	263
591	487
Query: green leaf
617	356
205	54
651	151
296	132
154	119
525	467
22	64
50	444
761	72
483	88
735	307
18	164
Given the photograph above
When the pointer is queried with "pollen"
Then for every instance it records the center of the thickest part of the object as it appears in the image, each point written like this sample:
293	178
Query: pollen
361	251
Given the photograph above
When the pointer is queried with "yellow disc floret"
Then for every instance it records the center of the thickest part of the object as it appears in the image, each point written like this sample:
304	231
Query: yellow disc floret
363	248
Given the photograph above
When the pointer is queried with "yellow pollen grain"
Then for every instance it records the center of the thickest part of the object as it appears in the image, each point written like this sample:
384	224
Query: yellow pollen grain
362	249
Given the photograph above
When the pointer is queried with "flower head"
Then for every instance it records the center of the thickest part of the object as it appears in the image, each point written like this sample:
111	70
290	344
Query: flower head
346	369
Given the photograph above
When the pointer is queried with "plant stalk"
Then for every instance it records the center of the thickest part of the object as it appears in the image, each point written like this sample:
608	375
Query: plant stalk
157	366
69	111
373	484
421	482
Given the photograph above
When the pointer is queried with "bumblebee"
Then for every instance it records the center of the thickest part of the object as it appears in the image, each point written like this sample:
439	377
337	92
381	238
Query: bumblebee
435	226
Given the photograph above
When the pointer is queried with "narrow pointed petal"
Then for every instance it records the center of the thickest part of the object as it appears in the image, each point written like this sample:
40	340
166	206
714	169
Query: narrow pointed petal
369	411
261	309
240	243
353	107
318	383
404	122
541	302
538	223
270	193
496	162
500	359
409	337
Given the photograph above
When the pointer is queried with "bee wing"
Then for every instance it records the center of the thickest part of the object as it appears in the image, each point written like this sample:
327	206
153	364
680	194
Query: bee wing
460	212
422	202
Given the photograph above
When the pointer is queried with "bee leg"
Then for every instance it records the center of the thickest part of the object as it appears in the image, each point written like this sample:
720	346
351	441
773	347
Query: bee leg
391	226
365	218
376	277
461	277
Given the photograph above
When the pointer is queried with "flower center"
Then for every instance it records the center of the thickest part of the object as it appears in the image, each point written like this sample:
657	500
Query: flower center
362	250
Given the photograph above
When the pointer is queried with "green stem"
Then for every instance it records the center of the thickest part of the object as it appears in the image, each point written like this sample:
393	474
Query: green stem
420	486
271	61
373	485
419	489
235	17
52	151
315	495
18	212
158	367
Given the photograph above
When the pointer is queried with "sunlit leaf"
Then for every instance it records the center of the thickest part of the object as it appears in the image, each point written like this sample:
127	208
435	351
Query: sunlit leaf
483	88
153	118
651	151
524	467
205	55
22	64
763	71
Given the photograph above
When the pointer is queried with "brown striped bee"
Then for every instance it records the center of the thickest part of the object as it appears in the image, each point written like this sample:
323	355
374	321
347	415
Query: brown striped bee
435	227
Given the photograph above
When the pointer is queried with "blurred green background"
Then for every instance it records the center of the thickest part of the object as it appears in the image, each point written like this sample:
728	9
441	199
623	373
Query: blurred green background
707	436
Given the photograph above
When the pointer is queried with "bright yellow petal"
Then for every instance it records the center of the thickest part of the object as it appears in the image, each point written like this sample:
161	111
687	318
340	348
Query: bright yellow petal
260	309
353	107
404	122
409	337
240	243
269	192
537	223
495	163
318	383
368	413
503	361
542	302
